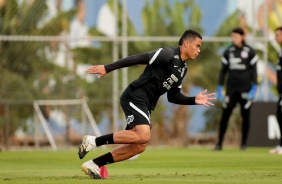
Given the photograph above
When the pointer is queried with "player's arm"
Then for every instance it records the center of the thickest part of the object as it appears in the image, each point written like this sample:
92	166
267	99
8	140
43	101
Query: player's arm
128	61
253	68
175	96
253	72
279	78
224	68
162	55
102	70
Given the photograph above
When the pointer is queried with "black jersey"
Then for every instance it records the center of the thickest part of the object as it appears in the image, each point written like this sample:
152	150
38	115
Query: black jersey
165	70
241	66
164	73
279	74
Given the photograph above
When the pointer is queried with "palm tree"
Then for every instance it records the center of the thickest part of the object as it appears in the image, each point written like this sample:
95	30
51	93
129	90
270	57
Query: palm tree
24	64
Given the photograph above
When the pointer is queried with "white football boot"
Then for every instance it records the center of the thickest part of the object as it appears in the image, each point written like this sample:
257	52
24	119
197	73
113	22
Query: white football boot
91	169
88	144
277	150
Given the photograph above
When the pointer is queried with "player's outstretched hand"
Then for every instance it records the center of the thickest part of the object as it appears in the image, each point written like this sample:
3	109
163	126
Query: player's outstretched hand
97	69
204	99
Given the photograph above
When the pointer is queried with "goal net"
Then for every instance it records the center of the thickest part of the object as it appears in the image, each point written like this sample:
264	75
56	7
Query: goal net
62	123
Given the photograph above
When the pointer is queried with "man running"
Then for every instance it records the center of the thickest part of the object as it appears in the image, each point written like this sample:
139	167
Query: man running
166	68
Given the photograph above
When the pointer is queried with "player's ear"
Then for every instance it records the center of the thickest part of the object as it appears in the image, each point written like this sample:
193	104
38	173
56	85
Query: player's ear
186	43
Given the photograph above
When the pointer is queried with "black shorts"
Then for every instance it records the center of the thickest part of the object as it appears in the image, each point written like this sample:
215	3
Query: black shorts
231	99
135	114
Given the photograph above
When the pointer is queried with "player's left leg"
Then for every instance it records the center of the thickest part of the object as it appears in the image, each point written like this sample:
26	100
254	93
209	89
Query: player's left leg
230	101
124	152
245	112
278	149
279	117
120	153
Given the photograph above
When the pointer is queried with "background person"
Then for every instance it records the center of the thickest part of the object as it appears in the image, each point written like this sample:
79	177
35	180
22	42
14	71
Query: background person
278	37
239	61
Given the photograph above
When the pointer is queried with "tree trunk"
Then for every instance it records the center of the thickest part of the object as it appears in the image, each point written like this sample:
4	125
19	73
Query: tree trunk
179	126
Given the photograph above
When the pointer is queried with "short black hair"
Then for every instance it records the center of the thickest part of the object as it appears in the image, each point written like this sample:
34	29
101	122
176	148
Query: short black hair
278	28
238	30
189	34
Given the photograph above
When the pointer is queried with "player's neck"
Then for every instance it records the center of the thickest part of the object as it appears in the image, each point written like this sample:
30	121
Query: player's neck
183	56
239	45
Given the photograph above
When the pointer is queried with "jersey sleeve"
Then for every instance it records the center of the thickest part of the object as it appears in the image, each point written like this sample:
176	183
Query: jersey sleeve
160	56
253	66
224	67
175	96
279	77
225	58
128	61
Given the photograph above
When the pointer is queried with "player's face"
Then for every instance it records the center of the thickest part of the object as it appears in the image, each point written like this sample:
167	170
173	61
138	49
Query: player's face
193	48
278	36
237	39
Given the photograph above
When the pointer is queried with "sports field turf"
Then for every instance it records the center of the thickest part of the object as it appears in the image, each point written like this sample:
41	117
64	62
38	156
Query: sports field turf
155	165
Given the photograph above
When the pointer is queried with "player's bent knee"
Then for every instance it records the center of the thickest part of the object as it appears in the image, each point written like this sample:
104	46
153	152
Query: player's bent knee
144	133
140	148
144	139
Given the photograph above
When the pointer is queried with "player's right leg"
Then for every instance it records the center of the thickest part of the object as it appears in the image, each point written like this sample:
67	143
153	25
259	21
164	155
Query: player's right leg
245	113
120	153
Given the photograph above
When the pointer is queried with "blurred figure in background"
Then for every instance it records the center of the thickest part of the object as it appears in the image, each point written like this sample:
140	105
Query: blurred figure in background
78	28
278	37
239	61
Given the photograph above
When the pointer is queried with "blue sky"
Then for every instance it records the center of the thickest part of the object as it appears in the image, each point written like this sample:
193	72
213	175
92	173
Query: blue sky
213	12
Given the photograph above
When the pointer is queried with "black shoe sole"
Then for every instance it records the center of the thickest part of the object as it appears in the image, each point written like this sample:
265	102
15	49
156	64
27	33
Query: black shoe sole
93	175
90	173
81	154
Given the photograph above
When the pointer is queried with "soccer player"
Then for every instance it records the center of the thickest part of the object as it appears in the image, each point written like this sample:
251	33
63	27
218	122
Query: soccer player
239	60
278	37
165	70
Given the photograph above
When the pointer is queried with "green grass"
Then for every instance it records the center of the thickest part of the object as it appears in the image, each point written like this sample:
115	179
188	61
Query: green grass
155	165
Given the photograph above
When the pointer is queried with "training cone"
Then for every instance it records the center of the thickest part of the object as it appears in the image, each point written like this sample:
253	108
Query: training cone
104	172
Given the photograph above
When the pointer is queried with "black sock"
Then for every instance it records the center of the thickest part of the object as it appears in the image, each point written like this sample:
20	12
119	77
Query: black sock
104	159
105	139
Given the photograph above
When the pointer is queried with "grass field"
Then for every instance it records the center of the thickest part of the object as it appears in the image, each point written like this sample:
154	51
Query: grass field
154	166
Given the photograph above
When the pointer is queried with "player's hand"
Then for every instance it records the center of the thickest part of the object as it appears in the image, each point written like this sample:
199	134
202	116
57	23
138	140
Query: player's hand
97	69
252	92
204	99
219	94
